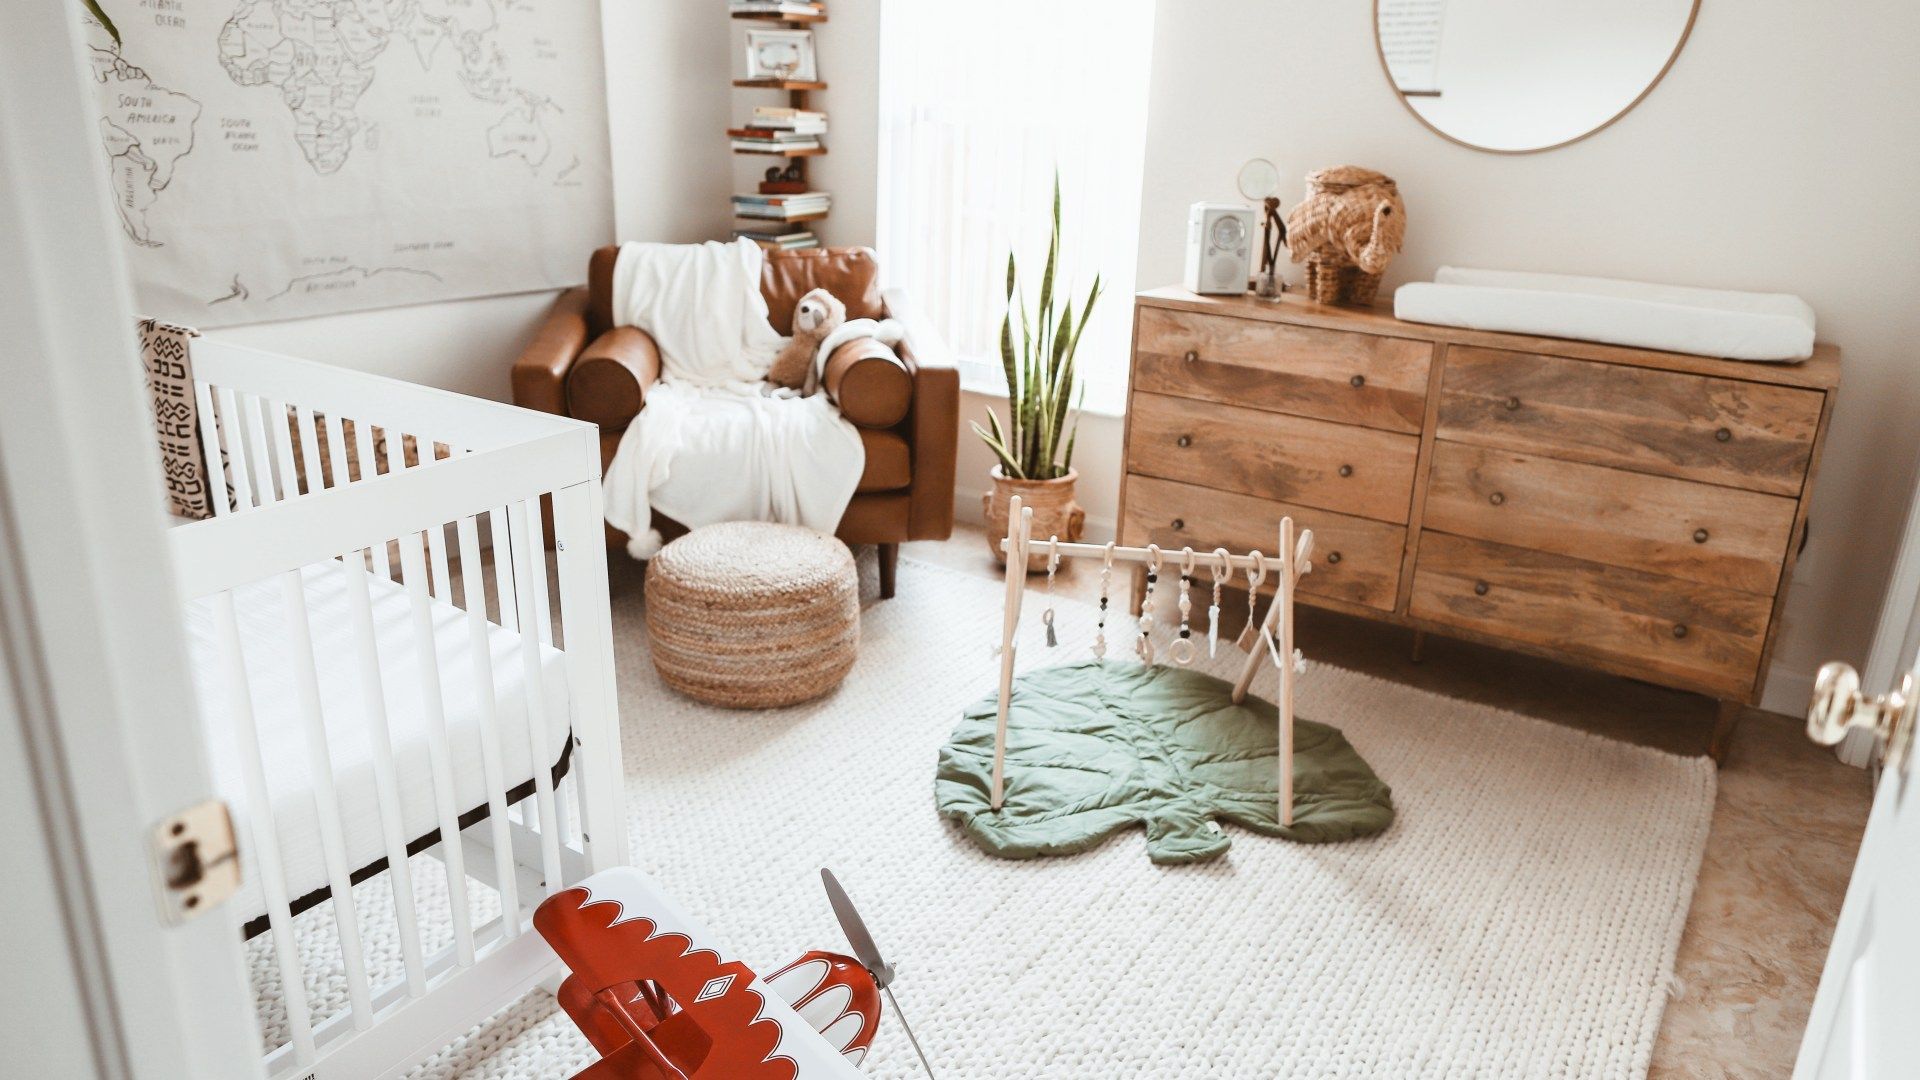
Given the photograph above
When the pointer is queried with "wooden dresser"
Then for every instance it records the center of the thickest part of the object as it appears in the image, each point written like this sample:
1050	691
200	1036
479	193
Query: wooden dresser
1633	511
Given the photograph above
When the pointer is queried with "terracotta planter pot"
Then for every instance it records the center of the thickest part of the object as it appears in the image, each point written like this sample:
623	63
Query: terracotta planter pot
1054	512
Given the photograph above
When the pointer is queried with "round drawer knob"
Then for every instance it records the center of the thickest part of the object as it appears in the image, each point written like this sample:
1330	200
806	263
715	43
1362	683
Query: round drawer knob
1179	524
1513	403
1497	499
1699	536
1357	381
1680	630
1191	356
1480	588
1346	470
1723	435
1183	441
1333	558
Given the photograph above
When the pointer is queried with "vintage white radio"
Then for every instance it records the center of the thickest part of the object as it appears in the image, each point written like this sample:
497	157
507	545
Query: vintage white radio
1219	248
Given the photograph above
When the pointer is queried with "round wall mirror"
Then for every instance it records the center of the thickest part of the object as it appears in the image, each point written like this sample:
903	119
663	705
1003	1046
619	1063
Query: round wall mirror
1515	76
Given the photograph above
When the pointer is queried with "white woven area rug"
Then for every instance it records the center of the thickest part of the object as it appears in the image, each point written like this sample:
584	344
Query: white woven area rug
1518	920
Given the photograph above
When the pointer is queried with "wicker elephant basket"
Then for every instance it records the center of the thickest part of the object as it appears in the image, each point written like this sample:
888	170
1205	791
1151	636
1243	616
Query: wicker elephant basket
1348	228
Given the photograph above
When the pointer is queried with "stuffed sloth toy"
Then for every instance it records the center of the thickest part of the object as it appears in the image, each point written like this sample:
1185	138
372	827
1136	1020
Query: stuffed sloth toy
814	317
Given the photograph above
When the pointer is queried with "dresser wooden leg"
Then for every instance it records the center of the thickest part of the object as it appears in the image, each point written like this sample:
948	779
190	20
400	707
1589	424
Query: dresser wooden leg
1419	651
1137	590
1725	719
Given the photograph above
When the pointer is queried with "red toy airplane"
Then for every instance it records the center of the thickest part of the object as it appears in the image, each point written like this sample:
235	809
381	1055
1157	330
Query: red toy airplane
660	999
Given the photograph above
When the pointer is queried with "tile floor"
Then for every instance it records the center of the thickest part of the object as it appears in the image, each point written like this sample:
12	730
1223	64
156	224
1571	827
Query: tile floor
1785	827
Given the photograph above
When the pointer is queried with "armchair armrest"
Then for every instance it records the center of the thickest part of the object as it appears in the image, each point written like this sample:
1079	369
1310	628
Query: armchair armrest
540	374
933	420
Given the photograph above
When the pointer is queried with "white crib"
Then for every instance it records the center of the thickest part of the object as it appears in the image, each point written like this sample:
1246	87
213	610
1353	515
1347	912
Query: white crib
358	712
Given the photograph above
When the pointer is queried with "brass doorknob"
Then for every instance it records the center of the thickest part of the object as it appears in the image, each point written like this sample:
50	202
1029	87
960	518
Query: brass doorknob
1191	356
1838	707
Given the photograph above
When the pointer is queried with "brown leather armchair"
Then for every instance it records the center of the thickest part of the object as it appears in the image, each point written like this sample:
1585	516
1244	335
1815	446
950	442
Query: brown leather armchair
906	407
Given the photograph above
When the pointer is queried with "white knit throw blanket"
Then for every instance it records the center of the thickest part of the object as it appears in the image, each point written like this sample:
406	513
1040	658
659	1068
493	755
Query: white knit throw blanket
715	442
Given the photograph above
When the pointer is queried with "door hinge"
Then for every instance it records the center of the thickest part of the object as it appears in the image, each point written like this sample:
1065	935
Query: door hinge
195	860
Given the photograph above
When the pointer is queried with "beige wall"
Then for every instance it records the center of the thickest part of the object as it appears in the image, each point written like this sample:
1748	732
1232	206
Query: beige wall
668	64
1779	154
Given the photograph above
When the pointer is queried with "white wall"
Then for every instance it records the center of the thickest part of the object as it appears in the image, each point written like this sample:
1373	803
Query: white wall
668	65
1778	154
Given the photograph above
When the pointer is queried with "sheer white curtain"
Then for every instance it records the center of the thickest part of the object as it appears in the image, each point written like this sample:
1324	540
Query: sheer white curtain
979	105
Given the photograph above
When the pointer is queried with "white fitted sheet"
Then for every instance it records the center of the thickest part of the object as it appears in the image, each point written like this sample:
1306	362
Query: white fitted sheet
1676	318
282	731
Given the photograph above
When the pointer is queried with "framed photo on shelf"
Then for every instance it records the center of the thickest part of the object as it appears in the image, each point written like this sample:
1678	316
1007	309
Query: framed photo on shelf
781	54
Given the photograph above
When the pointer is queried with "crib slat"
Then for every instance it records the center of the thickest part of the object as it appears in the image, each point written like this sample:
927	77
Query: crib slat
413	570
503	567
278	419
309	449
333	844
263	488
233	427
387	789
369	468
210	450
586	627
330	427
266	838
474	586
525	543
537	551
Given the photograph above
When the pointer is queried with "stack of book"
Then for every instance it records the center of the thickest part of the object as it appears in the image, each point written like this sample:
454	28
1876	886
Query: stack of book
782	207
781	237
781	118
780	130
767	141
776	7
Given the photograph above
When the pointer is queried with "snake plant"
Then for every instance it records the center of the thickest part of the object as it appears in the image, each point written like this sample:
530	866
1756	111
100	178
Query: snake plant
1041	397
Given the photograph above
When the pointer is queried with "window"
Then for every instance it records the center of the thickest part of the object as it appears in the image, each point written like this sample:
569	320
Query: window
978	106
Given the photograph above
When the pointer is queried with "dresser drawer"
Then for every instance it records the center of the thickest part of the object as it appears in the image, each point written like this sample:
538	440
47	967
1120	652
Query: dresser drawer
1700	636
1351	378
1354	559
1699	532
1695	427
1352	470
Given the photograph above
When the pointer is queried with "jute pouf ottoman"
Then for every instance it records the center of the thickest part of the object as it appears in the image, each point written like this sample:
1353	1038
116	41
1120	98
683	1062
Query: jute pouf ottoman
752	615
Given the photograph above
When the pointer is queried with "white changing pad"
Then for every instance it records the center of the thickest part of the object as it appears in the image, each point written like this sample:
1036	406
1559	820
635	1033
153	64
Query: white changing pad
283	744
1674	318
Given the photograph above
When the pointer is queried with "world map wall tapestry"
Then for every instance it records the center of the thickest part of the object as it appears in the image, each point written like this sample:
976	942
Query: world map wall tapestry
272	159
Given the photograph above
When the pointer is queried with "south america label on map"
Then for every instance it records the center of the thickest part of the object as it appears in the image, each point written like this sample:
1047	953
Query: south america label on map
273	159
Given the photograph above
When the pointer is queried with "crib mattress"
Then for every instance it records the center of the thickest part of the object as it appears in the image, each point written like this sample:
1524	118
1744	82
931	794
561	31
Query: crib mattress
282	730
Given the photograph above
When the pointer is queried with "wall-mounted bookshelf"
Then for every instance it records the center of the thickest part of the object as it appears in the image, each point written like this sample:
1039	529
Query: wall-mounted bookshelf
775	215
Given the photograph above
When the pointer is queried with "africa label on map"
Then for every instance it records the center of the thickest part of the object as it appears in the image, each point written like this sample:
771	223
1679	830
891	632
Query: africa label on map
280	158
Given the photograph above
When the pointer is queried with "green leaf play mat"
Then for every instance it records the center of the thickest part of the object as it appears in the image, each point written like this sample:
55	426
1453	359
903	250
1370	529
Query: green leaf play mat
1097	747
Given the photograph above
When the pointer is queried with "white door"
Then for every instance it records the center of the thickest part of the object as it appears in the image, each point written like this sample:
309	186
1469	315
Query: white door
1866	1015
101	748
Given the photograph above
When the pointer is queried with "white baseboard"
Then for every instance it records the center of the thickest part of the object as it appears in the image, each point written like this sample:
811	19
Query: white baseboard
1786	691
